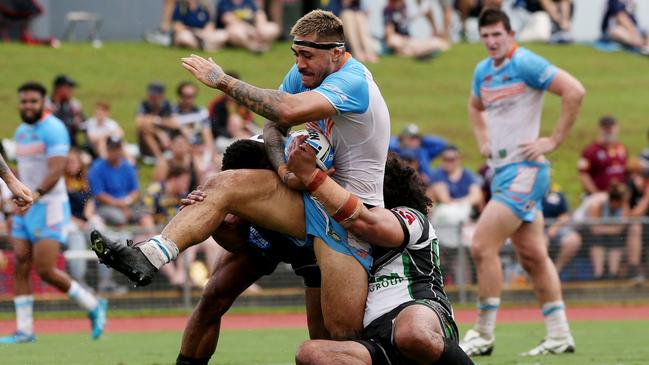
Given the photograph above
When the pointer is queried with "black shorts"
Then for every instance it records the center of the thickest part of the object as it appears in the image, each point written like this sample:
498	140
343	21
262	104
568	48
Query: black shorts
378	336
271	248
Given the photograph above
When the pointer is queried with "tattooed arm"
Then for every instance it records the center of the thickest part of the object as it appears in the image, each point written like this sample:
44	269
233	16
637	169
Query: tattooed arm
277	106
274	143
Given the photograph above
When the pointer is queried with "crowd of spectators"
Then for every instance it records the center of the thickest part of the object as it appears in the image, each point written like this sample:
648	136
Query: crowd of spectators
604	237
210	25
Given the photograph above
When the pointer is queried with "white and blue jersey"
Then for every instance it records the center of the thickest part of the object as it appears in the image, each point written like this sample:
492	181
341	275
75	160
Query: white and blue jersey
359	134
512	94
35	143
360	131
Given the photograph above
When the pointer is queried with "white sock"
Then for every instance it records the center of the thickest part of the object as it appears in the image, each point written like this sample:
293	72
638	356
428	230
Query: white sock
556	322
24	313
159	250
83	297
486	321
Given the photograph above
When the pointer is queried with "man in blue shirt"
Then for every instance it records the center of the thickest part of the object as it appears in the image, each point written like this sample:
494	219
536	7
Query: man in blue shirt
560	234
114	185
410	143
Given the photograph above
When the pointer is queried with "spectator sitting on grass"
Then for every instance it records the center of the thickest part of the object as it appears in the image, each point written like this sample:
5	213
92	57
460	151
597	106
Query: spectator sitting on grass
115	187
397	35
357	32
194	120
472	9
546	20
66	107
100	127
193	26
424	148
154	122
246	25
621	25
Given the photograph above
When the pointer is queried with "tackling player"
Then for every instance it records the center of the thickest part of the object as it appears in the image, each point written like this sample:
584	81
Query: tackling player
326	85
505	109
42	145
408	318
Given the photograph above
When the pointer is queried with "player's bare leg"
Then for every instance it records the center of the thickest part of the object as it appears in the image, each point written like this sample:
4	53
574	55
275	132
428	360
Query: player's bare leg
533	255
495	225
343	290
419	336
314	318
259	197
233	274
319	352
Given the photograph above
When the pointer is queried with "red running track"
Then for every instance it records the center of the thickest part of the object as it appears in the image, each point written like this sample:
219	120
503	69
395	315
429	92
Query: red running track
260	321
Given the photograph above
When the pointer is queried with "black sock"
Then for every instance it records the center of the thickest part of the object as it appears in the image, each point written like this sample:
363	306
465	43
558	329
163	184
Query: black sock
453	354
185	360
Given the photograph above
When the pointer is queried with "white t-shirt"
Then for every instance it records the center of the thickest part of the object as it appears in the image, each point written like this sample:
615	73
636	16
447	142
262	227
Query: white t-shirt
108	128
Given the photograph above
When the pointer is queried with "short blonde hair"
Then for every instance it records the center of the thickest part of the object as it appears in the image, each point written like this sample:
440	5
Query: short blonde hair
324	24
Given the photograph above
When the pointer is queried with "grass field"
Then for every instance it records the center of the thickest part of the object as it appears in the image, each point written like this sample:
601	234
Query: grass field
598	343
432	94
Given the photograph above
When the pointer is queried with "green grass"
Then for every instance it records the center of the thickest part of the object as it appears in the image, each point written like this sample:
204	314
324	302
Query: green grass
432	94
598	343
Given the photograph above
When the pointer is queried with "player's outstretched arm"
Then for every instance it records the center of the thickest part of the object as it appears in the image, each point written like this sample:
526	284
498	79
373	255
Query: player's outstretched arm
22	196
377	226
283	108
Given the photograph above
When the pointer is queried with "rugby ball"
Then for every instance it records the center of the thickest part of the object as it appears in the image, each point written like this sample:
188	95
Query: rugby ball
317	141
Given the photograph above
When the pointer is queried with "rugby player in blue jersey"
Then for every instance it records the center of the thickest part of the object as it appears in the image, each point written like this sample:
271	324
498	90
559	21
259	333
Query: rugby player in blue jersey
505	110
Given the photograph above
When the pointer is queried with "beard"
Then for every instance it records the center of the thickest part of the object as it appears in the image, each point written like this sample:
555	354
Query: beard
31	118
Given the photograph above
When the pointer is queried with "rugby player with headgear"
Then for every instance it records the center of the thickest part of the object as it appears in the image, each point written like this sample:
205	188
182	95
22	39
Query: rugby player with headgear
326	85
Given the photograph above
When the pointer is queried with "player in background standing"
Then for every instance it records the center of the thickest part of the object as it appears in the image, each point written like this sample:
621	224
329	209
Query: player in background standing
42	145
505	110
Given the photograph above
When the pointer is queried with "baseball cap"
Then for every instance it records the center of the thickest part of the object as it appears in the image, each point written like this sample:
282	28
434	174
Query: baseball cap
411	130
607	121
113	142
64	80
156	88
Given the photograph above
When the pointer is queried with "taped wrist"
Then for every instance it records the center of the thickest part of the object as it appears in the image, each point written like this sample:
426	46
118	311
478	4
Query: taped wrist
342	205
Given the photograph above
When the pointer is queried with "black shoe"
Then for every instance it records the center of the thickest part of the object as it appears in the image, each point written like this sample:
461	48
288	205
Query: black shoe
126	259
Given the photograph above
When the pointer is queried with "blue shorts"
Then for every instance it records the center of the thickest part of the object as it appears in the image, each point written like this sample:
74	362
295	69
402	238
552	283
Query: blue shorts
521	186
322	225
43	221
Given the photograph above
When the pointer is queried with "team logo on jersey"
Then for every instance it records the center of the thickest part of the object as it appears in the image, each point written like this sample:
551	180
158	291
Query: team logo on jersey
385	281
